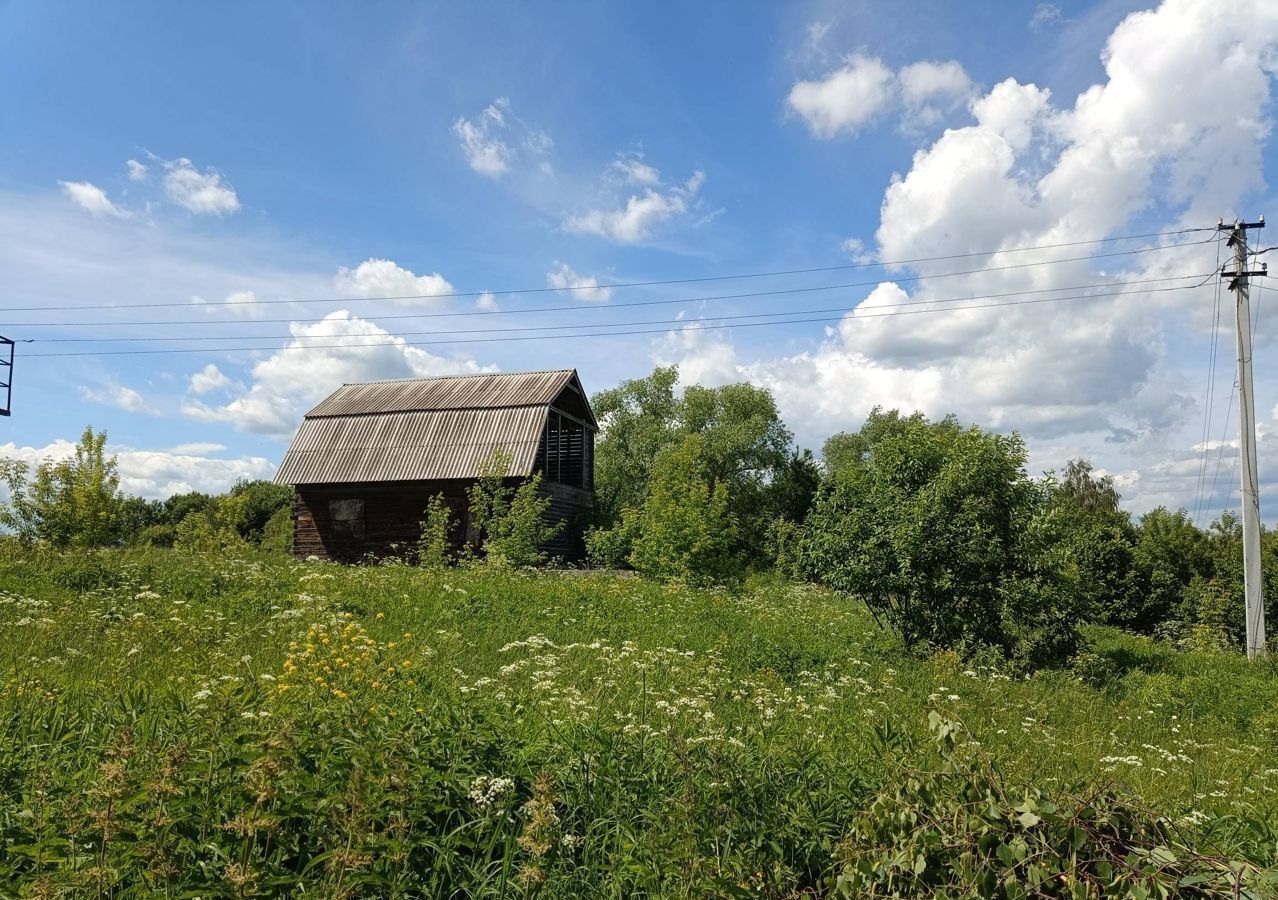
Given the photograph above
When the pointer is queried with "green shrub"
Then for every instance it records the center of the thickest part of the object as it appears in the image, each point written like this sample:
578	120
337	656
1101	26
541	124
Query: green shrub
684	530
516	536
68	502
961	832
163	535
433	548
610	548
940	531
277	534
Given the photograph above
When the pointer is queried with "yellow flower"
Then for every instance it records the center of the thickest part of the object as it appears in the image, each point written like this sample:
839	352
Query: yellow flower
381	615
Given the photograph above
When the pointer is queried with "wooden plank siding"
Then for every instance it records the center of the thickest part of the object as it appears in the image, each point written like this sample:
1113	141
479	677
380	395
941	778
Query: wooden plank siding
393	512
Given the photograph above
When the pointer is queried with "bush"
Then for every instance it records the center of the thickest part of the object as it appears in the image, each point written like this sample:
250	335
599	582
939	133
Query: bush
959	832
433	548
684	530
68	502
261	501
939	530
610	548
155	536
277	534
516	536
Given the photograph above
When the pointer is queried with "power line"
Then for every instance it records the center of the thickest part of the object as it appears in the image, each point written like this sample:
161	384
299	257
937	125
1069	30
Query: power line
577	307
540	290
396	341
1210	394
798	312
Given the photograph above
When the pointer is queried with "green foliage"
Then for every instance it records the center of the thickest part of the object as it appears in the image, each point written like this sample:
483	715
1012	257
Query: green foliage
508	525
958	831
434	549
488	498
179	506
939	530
610	548
847	452
640	418
162	535
181	725
515	538
214	532
745	447
261	501
69	502
277	533
685	531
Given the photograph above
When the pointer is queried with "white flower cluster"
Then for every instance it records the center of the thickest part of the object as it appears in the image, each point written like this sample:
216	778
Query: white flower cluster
487	790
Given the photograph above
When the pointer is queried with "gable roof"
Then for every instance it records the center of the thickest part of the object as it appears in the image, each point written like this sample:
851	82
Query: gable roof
424	429
493	390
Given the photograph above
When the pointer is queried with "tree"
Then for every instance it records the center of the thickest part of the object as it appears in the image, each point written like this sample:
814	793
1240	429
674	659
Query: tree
847	451
68	502
1100	544
684	531
639	419
939	529
745	448
262	500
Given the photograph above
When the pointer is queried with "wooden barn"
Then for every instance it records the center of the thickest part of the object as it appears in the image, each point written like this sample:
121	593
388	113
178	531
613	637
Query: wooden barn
367	459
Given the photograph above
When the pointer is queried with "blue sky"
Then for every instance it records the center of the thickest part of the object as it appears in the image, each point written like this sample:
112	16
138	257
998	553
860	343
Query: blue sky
289	152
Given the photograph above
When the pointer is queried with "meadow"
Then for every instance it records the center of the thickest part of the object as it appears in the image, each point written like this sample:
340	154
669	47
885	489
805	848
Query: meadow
186	725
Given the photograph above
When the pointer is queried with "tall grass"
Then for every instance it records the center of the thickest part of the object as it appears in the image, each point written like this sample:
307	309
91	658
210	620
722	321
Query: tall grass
177	726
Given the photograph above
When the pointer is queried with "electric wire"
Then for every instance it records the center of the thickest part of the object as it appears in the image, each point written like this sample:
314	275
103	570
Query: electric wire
1210	394
671	322
540	290
395	340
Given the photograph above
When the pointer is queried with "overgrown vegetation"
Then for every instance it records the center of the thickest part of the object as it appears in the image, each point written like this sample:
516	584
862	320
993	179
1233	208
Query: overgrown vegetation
239	724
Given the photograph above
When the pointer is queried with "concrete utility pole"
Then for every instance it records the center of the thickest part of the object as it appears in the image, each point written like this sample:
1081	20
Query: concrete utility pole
1254	588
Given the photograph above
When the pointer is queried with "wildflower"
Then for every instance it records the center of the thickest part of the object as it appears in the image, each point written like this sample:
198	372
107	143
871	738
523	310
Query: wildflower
487	791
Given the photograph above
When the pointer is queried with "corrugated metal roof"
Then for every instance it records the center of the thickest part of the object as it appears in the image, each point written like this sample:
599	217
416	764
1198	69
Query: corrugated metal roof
418	445
488	391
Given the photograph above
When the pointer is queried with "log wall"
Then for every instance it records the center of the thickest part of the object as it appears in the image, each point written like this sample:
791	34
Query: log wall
393	512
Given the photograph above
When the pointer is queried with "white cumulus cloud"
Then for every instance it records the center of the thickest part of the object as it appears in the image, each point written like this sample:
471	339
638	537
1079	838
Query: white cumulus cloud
91	198
118	396
634	221
385	278
579	287
845	99
203	193
321	356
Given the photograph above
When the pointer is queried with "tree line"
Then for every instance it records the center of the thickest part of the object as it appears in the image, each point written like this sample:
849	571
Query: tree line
938	527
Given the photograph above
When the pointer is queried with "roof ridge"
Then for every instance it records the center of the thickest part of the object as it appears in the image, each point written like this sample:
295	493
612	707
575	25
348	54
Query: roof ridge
466	375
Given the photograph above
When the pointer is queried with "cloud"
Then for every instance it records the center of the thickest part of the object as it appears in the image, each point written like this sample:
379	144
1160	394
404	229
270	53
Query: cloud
385	278
118	396
855	248
203	193
633	222
158	473
241	304
291	380
137	170
932	89
863	88
1046	14
197	448
486	140
91	198
579	287
208	379
634	170
1171	137
845	99
487	302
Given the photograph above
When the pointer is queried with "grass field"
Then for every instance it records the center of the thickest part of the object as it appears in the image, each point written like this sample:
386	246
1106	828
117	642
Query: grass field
183	726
